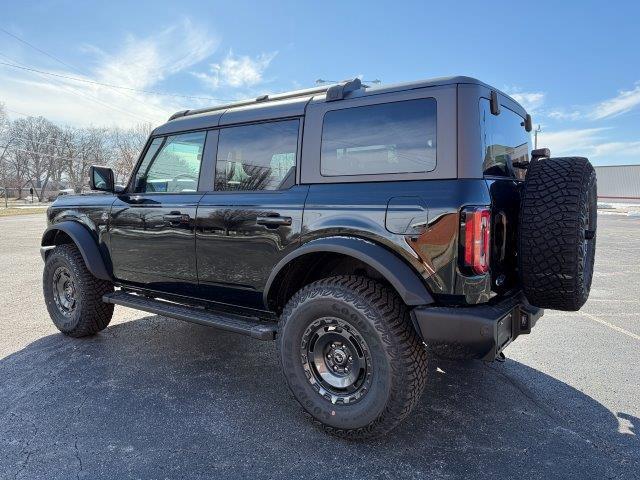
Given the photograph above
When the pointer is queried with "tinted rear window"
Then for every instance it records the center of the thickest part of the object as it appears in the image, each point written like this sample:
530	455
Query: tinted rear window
504	141
260	156
397	137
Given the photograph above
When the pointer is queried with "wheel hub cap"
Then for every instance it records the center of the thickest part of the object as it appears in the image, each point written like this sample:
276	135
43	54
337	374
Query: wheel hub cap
64	291
336	360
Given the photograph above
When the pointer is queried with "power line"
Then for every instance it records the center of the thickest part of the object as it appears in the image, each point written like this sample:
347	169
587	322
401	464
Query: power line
31	140
69	66
58	157
38	49
9	147
94	99
63	141
110	85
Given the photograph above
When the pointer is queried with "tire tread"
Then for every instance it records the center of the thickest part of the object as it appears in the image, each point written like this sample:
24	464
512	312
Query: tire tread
94	314
406	350
551	230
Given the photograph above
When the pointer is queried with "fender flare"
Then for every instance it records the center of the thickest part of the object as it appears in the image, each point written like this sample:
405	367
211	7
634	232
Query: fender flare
396	271
85	242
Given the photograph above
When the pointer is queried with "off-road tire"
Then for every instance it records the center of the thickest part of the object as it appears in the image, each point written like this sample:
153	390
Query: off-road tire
556	238
90	314
399	357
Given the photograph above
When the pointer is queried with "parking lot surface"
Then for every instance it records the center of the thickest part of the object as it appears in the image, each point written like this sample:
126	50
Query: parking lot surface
156	398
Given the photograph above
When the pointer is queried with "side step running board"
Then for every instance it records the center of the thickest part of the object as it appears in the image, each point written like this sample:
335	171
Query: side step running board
225	321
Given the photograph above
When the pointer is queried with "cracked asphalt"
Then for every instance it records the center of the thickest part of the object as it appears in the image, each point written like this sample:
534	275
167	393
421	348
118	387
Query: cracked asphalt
156	398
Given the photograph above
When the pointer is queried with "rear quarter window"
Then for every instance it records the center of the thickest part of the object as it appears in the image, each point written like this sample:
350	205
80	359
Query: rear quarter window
504	142
397	137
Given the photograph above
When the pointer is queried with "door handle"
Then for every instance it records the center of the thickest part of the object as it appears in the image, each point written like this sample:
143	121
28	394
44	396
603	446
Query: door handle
274	222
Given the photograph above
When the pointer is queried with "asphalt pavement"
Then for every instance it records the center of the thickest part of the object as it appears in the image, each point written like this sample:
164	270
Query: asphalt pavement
157	398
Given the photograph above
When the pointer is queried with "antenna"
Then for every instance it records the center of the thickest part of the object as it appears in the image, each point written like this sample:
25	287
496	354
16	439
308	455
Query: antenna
535	136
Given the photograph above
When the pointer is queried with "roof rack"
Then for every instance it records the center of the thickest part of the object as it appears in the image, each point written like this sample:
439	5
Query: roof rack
334	92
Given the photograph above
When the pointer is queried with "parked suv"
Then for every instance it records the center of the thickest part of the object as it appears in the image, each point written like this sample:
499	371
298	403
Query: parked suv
357	227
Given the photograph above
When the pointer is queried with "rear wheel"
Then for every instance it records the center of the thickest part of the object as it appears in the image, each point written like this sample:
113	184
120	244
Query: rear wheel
73	296
351	357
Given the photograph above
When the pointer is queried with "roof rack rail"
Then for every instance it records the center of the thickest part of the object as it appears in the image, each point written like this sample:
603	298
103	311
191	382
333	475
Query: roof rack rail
334	92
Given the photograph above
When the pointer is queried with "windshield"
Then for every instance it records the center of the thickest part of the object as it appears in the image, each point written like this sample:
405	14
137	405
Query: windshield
505	142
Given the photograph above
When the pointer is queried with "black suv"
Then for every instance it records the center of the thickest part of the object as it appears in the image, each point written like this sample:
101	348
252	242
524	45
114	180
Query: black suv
358	227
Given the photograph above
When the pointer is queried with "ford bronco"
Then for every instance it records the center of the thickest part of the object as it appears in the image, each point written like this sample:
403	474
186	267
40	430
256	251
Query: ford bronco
359	228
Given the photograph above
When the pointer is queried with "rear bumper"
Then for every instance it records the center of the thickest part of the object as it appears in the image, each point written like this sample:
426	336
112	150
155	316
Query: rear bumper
483	331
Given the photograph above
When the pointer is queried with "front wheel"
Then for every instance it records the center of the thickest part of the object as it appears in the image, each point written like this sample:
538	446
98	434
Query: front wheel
351	357
74	296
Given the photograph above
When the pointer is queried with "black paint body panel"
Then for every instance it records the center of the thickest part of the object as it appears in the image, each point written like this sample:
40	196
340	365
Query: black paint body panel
236	254
152	241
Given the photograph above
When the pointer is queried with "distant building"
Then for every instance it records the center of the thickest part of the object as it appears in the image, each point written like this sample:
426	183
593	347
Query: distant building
619	183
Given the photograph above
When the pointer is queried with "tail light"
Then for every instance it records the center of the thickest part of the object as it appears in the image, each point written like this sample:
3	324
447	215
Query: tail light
477	238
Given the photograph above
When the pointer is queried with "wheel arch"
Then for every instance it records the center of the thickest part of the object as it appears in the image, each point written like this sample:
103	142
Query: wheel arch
70	231
301	262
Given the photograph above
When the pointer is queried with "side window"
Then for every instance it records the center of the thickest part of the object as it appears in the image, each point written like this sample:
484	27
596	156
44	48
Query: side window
261	156
505	141
171	165
398	137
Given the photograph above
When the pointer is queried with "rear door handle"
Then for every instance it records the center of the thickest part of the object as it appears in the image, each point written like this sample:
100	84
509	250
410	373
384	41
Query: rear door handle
274	222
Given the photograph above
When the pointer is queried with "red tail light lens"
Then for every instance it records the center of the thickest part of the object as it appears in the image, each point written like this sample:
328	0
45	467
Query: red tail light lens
477	239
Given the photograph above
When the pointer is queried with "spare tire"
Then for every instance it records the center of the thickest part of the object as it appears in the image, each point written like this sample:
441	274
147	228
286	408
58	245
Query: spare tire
557	232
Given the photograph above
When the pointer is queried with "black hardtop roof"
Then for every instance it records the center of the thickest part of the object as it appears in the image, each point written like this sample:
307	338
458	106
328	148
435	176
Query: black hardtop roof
290	104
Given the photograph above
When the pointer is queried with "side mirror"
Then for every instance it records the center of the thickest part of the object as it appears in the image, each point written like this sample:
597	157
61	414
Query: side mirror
101	178
540	153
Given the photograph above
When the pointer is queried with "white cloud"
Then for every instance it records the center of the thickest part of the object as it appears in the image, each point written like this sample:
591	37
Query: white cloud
140	63
145	62
573	141
610	149
589	142
237	71
625	101
560	114
531	101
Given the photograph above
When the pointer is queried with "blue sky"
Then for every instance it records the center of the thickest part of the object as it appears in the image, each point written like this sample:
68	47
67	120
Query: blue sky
574	65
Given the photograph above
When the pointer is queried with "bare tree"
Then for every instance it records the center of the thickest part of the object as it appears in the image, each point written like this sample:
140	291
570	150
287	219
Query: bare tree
38	139
81	148
5	141
4	120
36	152
127	145
13	163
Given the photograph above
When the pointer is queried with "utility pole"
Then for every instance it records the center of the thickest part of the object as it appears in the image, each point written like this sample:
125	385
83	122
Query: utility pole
535	137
